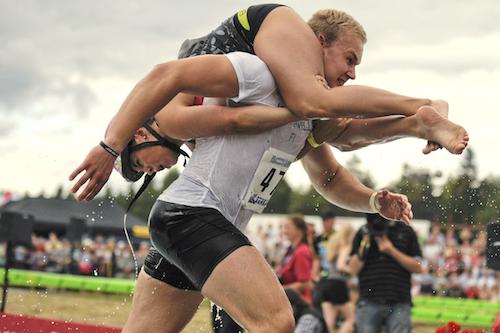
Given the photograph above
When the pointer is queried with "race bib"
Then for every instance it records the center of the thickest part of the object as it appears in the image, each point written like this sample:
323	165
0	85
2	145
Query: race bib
271	169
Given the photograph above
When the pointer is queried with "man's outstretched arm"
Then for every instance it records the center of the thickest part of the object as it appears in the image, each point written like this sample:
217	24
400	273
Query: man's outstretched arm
209	75
342	188
182	120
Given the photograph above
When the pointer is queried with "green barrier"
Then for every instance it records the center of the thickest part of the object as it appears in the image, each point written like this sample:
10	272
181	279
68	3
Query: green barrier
455	316
71	283
435	302
481	320
490	307
119	287
427	315
22	278
468	312
96	285
427	309
49	281
454	302
419	301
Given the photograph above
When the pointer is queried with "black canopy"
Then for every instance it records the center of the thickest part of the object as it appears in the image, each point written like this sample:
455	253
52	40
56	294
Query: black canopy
99	216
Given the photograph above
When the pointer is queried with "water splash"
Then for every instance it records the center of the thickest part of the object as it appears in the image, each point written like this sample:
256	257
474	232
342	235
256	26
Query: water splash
130	245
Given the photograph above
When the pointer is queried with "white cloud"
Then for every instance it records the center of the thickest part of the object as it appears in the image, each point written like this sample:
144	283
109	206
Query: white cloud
65	68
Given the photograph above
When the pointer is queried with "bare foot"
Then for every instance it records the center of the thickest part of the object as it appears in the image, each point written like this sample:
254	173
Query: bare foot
440	131
431	146
442	108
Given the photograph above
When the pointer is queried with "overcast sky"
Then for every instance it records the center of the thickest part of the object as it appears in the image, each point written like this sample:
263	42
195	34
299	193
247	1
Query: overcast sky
66	66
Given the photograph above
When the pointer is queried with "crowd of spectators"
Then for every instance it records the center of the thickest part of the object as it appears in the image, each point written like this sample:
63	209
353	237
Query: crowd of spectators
97	256
453	260
454	264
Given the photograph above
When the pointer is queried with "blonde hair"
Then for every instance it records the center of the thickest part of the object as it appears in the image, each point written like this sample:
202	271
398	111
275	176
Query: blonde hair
332	23
340	239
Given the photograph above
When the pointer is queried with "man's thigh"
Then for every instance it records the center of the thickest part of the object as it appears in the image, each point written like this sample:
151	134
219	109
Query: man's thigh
399	320
369	317
292	52
159	307
245	286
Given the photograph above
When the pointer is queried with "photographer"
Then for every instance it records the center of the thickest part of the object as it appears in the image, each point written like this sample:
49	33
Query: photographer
383	256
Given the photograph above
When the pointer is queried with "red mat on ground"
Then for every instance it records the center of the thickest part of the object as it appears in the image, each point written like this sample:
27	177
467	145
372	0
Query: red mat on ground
11	323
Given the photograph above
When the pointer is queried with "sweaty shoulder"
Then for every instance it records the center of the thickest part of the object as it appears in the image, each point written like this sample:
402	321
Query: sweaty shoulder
256	83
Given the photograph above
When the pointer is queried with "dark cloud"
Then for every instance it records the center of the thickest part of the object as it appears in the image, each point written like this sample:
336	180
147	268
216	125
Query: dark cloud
44	44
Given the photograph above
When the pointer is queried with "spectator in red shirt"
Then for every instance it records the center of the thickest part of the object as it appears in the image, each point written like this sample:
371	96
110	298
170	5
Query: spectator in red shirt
295	271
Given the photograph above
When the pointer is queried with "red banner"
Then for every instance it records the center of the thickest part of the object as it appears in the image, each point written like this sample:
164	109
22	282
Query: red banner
10	323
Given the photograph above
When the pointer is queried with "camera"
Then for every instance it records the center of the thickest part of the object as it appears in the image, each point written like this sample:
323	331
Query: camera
377	225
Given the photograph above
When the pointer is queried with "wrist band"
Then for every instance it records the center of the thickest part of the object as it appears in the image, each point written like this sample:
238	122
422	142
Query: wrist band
312	141
109	149
372	203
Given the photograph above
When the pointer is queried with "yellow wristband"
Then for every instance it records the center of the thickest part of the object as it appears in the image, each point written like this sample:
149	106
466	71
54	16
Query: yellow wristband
372	203
312	141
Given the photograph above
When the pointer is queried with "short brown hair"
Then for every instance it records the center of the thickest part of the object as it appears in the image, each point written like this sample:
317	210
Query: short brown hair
332	23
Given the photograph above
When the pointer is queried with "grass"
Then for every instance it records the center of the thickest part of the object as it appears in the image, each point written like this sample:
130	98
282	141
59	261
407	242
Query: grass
100	309
85	307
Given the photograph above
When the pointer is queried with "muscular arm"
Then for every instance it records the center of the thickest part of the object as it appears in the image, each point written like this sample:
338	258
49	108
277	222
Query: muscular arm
181	120
335	183
209	75
203	76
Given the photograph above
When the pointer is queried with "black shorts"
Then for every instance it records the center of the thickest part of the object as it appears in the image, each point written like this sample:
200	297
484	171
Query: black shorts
237	33
333	291
189	242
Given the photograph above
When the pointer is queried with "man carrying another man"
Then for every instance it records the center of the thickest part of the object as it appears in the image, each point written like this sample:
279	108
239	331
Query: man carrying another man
197	221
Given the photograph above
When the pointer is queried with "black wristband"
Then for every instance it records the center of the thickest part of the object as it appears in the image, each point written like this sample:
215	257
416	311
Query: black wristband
109	149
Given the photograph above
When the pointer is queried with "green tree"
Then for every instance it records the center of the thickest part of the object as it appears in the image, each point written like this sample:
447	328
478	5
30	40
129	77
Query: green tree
59	193
354	165
488	193
417	185
460	201
281	199
311	202
145	202
169	178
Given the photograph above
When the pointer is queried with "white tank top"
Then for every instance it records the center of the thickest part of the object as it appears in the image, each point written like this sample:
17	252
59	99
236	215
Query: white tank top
236	174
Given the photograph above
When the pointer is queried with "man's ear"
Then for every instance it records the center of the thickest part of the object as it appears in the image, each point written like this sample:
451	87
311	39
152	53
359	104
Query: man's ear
322	39
141	135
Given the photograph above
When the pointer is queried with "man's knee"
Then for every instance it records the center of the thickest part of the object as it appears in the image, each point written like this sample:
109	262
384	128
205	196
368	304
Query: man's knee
281	322
286	322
